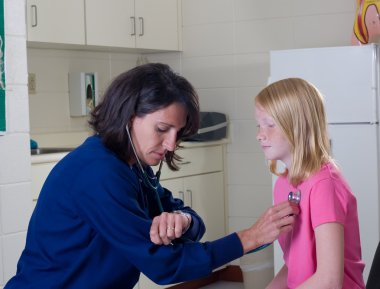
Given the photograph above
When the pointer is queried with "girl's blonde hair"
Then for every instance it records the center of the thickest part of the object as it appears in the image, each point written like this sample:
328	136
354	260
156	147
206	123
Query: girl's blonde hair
297	107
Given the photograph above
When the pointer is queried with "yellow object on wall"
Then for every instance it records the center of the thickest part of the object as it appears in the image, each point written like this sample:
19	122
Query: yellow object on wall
367	22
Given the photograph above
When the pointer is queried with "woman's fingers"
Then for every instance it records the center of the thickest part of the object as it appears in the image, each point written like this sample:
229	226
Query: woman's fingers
276	220
166	227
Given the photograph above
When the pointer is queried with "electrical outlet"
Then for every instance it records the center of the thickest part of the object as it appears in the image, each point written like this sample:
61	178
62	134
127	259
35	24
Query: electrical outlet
32	83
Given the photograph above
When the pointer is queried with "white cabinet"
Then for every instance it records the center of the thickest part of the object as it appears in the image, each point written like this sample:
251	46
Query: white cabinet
200	184
205	194
158	24
55	21
142	24
110	23
40	169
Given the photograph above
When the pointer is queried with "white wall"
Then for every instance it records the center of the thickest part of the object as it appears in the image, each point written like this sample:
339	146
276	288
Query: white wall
226	44
15	195
225	56
49	106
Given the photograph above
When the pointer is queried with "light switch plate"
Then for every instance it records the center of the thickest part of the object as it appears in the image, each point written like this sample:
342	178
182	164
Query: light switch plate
32	83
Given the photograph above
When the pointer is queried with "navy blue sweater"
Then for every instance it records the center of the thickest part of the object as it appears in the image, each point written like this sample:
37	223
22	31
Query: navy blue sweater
90	229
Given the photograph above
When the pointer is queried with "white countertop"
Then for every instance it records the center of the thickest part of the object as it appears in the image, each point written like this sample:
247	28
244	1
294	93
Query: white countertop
55	157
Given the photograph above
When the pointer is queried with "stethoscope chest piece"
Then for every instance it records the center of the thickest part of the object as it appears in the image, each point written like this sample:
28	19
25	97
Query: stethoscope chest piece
295	197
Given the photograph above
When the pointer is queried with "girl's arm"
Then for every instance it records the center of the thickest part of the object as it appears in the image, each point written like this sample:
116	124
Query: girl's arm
330	258
280	280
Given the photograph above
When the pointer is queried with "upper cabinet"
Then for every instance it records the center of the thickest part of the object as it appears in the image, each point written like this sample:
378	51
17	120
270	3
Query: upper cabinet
143	24
56	21
158	24
110	23
135	24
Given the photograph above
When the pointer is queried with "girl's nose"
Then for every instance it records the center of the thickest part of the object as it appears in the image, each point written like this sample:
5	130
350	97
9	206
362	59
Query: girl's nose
259	135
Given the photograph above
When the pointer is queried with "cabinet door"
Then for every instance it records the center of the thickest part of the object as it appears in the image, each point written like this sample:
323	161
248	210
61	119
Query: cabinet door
207	199
146	283
56	21
157	24
110	23
176	187
39	174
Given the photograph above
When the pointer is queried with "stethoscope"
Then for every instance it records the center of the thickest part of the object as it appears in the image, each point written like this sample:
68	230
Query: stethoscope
294	197
151	182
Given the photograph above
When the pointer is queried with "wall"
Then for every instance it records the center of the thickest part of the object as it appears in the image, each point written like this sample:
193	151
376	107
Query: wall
15	195
226	45
51	68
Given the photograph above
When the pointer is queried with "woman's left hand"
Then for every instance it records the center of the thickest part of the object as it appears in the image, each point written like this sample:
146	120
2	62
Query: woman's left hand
169	226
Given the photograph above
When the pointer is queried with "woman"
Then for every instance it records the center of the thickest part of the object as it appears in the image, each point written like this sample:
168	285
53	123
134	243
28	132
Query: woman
98	222
323	251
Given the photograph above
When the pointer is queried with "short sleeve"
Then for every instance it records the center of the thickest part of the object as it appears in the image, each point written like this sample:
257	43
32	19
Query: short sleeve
327	205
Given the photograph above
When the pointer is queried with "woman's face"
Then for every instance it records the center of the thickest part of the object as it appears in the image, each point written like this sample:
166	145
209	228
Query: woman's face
273	141
156	133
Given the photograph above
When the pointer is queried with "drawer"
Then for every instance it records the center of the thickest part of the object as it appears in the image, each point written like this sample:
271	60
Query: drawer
197	160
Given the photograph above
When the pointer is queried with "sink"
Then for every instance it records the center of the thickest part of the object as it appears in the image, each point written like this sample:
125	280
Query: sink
41	151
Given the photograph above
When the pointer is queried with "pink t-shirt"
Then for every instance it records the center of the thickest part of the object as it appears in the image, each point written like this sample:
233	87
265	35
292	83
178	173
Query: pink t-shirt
325	198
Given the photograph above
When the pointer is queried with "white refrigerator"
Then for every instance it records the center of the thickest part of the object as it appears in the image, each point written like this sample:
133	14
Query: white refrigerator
348	77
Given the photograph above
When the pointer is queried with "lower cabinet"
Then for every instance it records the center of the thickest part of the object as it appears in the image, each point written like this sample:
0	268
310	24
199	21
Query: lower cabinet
200	184
40	169
205	195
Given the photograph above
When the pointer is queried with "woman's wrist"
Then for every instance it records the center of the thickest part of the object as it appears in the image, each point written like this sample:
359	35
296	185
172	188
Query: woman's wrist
247	240
188	218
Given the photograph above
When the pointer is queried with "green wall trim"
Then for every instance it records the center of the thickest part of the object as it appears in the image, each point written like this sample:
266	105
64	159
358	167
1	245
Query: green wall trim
2	70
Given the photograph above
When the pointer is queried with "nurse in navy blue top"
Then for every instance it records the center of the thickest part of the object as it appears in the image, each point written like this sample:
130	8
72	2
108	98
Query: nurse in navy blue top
98	223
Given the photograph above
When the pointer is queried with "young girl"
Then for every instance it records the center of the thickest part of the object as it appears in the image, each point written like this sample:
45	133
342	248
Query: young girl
323	250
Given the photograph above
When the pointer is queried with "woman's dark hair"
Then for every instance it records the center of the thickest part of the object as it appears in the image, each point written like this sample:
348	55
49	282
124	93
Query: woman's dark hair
138	92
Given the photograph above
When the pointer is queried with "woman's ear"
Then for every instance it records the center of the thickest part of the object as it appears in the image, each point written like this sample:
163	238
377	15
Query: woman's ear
130	123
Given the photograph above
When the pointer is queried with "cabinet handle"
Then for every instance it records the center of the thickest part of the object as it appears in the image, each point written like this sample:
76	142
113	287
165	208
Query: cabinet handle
34	15
133	26
141	20
181	196
185	163
190	192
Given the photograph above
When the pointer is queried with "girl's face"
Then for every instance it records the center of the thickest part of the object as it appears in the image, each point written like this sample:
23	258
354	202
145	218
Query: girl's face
156	133
273	141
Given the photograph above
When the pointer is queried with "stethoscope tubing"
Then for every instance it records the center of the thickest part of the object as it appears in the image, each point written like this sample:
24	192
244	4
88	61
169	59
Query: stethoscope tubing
145	177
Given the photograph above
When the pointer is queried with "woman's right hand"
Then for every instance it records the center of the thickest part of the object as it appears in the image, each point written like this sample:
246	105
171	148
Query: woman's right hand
276	220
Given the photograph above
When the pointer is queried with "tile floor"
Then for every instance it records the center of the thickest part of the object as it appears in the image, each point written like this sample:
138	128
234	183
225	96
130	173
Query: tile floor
224	285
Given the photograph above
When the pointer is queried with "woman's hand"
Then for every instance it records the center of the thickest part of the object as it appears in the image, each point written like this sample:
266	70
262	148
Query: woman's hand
275	221
169	226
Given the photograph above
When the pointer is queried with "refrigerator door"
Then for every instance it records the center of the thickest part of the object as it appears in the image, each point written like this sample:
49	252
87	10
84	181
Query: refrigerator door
354	147
346	76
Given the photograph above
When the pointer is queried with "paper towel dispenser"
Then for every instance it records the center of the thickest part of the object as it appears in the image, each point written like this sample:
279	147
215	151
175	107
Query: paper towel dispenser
83	92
